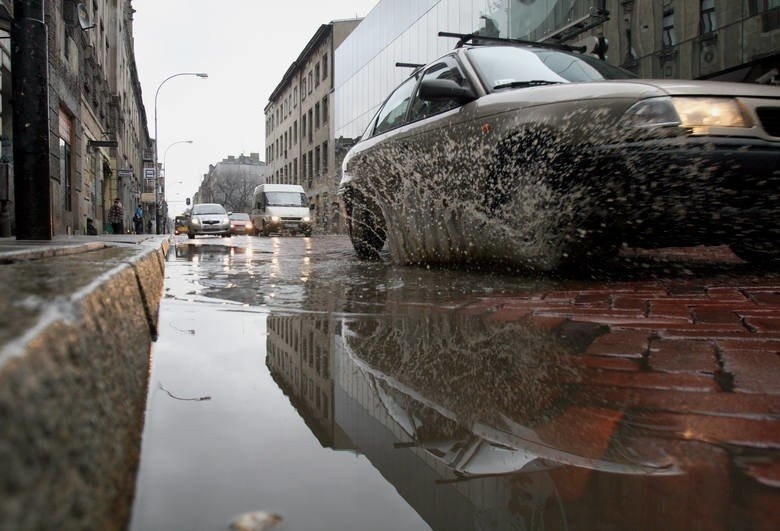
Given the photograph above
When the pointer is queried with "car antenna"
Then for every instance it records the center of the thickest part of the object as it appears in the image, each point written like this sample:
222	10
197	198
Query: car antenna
463	38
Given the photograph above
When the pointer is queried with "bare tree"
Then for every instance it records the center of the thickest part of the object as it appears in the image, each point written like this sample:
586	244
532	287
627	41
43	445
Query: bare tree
232	182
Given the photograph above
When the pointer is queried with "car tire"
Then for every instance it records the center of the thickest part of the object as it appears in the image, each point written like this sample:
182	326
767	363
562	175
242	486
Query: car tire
366	226
191	235
265	231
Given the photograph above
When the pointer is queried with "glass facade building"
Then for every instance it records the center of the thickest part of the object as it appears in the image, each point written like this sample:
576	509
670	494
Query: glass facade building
406	31
706	39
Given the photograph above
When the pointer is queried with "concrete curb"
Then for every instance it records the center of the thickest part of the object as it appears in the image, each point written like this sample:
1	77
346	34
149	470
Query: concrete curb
72	399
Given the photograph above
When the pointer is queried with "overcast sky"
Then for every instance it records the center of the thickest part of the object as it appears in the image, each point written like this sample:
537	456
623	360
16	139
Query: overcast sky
245	47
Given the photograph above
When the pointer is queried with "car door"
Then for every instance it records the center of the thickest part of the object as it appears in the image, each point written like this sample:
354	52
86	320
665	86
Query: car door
445	142
375	160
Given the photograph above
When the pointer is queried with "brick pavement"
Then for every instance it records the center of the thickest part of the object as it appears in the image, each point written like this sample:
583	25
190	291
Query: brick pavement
695	360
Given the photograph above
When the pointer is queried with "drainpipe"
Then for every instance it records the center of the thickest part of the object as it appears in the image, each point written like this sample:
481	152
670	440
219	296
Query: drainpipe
30	79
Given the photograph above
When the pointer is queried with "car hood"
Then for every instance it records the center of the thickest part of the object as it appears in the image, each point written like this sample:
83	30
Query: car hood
685	87
624	89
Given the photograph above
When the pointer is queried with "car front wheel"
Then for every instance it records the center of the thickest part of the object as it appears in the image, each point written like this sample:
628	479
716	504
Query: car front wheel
366	226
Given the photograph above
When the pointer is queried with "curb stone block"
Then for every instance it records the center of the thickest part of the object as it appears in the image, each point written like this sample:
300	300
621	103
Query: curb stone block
72	406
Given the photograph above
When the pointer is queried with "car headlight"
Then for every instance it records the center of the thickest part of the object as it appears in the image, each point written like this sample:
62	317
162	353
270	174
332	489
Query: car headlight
248	225
275	218
686	112
306	219
195	221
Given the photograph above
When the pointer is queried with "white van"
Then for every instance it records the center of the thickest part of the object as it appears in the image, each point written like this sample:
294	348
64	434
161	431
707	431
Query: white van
280	208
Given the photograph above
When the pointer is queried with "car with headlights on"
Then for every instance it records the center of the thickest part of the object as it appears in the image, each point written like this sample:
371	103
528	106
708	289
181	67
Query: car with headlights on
539	156
240	223
208	219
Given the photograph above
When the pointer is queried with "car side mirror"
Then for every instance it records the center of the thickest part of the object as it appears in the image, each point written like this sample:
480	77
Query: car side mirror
445	89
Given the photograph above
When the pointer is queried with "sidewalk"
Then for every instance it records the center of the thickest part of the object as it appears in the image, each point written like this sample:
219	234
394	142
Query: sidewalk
79	316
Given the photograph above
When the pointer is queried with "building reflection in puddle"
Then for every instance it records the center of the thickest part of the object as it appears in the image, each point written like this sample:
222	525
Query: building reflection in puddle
494	424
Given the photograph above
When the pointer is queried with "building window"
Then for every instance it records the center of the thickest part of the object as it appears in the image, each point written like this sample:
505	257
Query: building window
303	89
295	132
325	110
709	22
770	13
316	115
325	156
311	85
311	171
317	161
760	6
66	137
303	126
325	66
317	74
310	120
295	96
67	183
668	36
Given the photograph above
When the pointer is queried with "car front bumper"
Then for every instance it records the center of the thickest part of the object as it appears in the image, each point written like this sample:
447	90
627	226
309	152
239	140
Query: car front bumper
288	225
210	229
704	190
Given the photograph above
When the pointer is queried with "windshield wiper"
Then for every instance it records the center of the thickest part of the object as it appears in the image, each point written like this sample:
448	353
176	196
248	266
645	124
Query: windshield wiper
529	83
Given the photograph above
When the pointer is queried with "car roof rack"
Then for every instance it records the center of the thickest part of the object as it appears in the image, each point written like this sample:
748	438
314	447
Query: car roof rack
415	66
475	37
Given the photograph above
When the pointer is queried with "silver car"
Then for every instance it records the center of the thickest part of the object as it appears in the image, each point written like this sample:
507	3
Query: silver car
538	156
208	218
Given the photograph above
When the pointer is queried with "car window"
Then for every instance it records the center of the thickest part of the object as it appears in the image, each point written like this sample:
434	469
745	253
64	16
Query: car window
208	209
295	199
446	68
239	216
575	67
394	109
505	65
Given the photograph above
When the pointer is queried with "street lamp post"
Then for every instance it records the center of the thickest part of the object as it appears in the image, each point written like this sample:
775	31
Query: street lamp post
165	156
156	169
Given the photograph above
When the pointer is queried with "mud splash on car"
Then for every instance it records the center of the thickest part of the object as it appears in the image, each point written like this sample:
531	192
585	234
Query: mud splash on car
520	201
543	196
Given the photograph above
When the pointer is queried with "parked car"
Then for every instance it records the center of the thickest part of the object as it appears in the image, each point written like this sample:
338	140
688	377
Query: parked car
535	155
208	218
240	223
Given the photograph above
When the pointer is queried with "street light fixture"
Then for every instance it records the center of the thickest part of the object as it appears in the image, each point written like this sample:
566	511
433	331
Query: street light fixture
165	153
156	169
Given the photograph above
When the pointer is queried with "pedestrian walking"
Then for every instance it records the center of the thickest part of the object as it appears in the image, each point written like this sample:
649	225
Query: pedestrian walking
138	220
116	216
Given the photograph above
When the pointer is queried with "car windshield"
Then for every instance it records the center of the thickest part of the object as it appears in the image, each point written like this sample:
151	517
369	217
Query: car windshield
511	66
239	216
295	199
208	209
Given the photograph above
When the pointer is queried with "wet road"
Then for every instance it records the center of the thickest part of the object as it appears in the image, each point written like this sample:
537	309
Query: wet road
290	377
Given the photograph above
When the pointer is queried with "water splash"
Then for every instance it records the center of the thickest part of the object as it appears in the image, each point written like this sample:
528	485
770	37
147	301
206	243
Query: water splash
547	194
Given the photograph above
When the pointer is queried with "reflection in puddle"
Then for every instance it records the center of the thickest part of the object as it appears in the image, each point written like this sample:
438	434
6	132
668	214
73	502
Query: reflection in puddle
486	425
